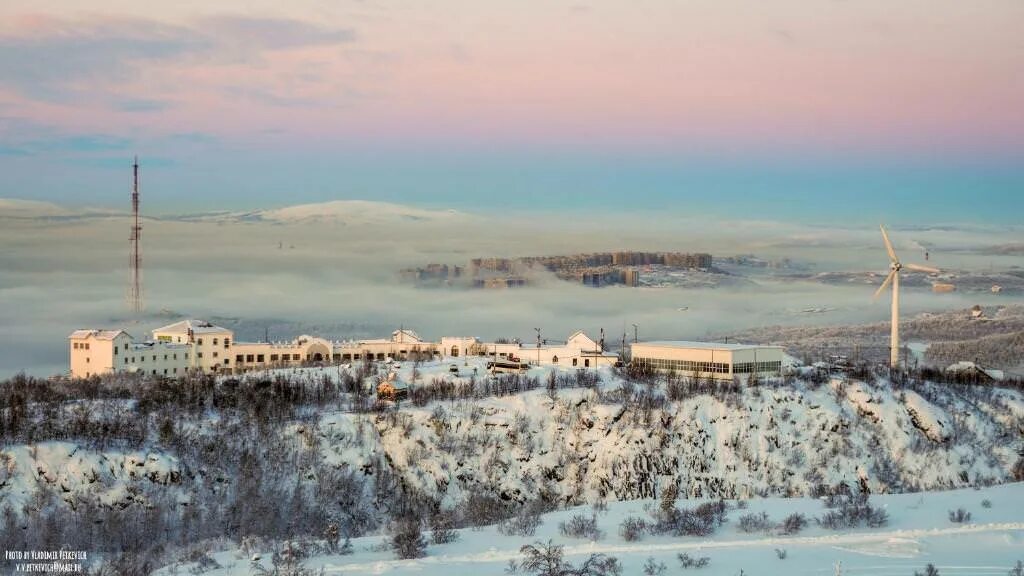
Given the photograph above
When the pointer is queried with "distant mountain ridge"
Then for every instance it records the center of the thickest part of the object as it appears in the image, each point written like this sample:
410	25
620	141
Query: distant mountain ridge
342	212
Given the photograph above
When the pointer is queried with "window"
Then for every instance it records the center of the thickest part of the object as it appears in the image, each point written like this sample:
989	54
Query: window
273	357
200	341
165	356
74	345
115	350
227	342
226	361
214	353
554	359
86	359
175	369
199	354
214	341
238	359
248	358
259	358
86	345
175	356
154	357
295	357
125	359
575	361
142	359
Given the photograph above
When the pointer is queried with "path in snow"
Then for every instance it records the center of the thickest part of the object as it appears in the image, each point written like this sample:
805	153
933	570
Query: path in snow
846	542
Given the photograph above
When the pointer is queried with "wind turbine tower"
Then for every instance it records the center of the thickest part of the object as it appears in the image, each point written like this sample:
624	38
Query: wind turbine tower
894	278
135	262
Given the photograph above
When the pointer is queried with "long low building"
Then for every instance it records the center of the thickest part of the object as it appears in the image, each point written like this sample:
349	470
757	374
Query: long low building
707	359
196	345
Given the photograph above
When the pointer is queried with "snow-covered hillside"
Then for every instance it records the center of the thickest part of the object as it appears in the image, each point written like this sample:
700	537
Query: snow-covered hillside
292	451
341	212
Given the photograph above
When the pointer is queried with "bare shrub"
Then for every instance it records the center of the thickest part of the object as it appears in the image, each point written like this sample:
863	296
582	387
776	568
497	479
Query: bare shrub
548	560
755	522
442	528
793	524
686	561
524	523
407	539
654	568
781	553
851	512
959	516
632	529
580	526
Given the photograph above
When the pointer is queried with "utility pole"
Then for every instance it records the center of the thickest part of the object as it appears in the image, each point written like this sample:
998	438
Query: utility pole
538	345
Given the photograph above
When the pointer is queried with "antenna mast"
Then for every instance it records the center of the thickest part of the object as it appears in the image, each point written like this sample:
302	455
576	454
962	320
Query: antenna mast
135	263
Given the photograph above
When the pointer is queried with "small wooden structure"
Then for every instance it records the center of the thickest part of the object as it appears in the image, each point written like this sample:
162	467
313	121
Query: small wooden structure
391	388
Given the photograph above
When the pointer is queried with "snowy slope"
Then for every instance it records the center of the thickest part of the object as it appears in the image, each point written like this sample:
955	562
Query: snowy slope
918	533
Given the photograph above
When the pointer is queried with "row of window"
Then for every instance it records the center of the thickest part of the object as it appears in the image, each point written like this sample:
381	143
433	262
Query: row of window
750	367
143	358
199	341
81	345
708	367
683	365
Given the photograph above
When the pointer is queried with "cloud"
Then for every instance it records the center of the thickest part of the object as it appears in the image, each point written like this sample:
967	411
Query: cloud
272	33
48	58
142	105
53	59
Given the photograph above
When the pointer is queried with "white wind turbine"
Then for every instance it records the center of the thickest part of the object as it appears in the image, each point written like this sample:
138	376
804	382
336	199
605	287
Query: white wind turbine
894	278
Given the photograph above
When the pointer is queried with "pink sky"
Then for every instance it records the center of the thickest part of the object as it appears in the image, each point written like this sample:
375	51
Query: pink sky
914	75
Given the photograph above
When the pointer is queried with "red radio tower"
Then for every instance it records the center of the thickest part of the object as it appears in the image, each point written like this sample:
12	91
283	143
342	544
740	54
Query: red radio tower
135	288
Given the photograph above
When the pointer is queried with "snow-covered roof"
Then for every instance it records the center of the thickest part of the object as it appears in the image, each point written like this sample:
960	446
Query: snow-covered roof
97	334
405	335
197	327
968	366
702	345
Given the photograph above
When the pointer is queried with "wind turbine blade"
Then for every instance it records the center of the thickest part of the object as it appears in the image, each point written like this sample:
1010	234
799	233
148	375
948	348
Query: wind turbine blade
919	268
888	245
888	280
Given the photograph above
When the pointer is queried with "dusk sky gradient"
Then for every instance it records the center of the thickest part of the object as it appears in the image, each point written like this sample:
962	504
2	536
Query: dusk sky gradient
832	108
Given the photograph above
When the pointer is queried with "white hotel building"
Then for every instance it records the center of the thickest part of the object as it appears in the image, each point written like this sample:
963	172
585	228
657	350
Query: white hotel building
195	345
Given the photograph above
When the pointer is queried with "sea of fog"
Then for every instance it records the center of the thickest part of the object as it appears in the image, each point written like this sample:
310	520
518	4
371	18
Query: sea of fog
338	276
